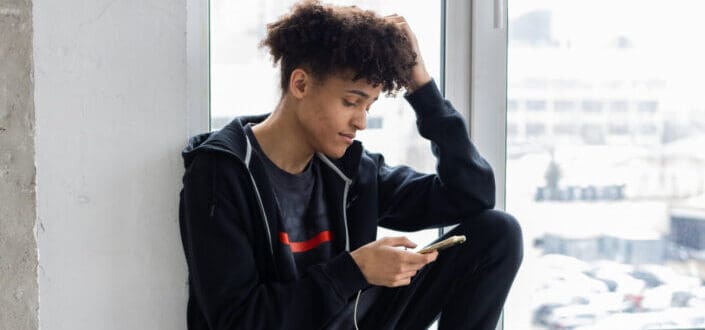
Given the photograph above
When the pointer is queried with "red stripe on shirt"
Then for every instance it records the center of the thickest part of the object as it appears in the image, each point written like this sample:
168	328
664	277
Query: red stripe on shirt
304	246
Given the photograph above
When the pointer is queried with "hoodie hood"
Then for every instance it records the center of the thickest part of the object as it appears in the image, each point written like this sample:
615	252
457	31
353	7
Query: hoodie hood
231	139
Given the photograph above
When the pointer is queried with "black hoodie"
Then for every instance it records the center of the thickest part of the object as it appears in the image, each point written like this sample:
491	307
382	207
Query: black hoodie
228	219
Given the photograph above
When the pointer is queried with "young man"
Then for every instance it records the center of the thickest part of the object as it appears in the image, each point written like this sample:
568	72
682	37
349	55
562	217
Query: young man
279	212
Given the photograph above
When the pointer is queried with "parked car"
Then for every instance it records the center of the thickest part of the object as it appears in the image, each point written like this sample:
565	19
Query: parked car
560	261
655	275
558	279
631	321
569	317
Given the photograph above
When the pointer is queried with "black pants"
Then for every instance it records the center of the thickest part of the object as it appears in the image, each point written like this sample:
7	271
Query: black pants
466	286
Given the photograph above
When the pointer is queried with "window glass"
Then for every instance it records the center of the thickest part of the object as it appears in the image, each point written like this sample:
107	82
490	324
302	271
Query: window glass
612	197
512	105
618	106
563	106
536	105
592	106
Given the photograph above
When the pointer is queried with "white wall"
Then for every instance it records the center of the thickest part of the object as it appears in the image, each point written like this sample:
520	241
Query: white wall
110	96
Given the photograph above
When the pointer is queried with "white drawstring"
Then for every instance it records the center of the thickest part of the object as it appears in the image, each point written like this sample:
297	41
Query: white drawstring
356	301
355	311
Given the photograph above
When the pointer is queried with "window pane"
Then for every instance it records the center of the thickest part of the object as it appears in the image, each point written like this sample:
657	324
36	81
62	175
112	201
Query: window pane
243	80
535	105
610	185
563	106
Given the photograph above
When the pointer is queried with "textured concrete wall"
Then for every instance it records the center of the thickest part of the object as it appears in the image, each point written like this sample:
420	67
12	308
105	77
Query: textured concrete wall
110	102
18	248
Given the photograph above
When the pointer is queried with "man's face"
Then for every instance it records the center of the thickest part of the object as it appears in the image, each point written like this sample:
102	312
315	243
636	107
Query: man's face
334	110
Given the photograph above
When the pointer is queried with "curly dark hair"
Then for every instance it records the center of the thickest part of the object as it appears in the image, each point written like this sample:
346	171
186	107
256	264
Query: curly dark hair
328	39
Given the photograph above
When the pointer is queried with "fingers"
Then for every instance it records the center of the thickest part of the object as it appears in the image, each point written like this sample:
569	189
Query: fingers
401	23
395	18
399	241
417	260
431	255
403	282
403	278
406	242
414	258
406	275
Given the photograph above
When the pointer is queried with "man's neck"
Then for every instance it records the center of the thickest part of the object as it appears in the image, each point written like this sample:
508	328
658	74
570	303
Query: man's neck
283	141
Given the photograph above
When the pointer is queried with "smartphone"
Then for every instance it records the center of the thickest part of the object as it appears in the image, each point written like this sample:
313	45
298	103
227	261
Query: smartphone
448	242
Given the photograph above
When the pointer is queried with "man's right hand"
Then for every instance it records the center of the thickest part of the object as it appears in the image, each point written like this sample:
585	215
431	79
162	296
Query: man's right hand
383	264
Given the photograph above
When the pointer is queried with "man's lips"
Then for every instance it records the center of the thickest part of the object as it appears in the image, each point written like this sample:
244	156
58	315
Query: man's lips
348	137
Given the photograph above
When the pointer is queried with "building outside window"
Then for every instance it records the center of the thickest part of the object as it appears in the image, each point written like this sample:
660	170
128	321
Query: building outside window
614	215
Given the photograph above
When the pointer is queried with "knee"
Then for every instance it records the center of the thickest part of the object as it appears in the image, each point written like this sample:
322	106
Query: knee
505	230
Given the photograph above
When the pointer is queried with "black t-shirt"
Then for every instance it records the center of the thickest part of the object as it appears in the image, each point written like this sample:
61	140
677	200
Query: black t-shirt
300	198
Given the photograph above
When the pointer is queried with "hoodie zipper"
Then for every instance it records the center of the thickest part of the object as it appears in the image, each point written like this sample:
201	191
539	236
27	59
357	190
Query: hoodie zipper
348	181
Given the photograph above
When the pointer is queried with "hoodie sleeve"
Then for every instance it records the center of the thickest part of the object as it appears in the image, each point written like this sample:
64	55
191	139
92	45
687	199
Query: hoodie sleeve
223	275
462	185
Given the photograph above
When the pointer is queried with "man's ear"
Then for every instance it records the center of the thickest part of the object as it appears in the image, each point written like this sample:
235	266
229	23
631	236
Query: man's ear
299	83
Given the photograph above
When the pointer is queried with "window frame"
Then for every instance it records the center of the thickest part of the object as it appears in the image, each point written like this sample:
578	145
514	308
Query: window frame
198	87
477	84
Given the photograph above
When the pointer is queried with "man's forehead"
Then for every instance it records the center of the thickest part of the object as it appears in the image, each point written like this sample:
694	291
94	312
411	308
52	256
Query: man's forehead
365	94
358	87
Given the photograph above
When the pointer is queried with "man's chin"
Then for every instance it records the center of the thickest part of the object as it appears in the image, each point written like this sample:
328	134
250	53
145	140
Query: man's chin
336	153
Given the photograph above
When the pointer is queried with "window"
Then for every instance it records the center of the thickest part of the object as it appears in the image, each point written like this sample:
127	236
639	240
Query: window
614	219
564	129
512	130
618	129
592	134
374	122
591	106
647	106
618	106
648	129
535	129
512	105
536	105
563	106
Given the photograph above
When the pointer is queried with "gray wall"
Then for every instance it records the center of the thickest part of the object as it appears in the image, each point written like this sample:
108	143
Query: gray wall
18	247
110	98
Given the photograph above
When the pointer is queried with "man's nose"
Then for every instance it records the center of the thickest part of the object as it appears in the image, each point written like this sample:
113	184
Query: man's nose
360	121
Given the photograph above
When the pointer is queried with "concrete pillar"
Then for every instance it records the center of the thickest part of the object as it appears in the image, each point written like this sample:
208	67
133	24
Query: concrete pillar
19	305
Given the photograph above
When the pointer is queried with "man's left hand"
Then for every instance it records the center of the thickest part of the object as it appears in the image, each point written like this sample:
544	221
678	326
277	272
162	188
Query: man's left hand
419	74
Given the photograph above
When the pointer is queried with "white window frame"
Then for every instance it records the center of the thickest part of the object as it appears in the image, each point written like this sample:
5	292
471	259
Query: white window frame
476	50
475	44
197	67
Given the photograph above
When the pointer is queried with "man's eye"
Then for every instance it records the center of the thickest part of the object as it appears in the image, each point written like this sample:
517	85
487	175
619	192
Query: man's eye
348	104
